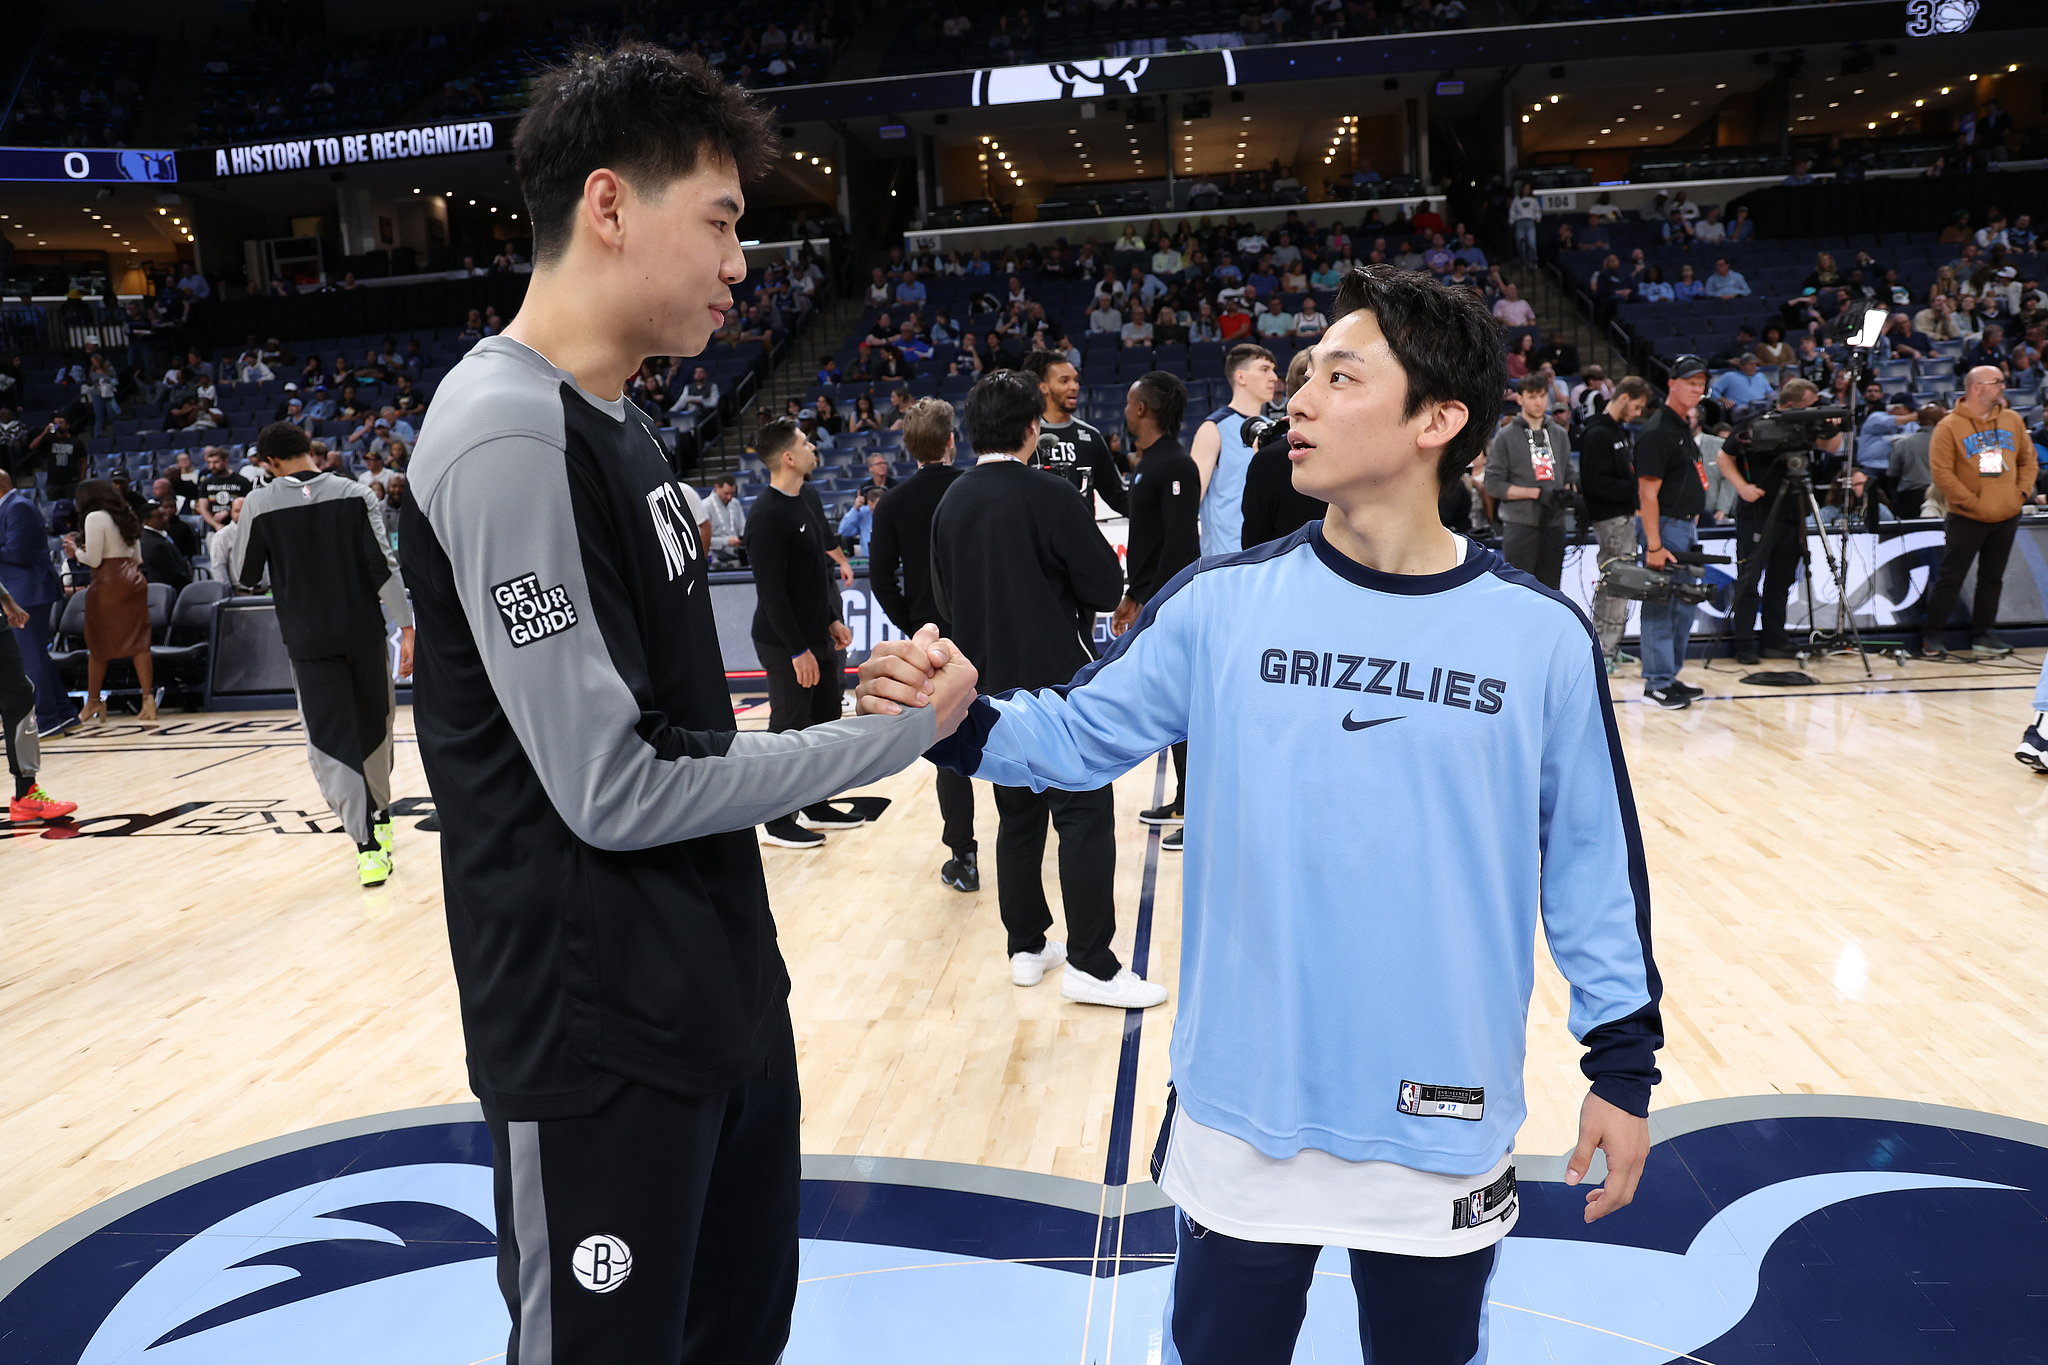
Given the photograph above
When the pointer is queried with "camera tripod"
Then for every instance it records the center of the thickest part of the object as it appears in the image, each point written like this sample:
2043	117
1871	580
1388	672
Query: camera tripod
1798	485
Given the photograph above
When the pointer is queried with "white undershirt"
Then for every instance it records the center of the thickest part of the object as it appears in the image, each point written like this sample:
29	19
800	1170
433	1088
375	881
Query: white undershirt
1315	1199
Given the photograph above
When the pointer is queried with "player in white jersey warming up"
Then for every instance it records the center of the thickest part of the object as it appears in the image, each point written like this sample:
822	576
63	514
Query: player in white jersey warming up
1347	1060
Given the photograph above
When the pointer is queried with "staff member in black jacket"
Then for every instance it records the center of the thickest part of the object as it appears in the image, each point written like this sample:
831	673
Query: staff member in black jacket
1166	532
1607	478
798	630
901	541
1016	562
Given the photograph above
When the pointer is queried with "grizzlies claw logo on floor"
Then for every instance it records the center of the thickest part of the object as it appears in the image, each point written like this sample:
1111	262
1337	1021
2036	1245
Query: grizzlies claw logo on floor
1825	1228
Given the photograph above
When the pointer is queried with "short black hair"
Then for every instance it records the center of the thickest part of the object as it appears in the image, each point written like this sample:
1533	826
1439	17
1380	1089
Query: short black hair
776	436
281	441
643	111
725	481
1446	341
1000	410
1040	362
1166	395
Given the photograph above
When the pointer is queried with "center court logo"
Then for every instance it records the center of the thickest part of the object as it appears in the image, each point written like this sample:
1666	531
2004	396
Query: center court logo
601	1263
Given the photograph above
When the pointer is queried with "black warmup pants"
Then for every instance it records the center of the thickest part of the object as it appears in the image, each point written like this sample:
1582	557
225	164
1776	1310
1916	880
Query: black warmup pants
956	811
1086	822
1989	543
792	706
347	702
1536	550
1242	1303
1180	777
660	1230
1781	566
18	716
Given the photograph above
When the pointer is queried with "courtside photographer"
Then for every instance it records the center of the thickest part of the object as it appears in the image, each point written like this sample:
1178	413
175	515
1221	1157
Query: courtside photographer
1770	459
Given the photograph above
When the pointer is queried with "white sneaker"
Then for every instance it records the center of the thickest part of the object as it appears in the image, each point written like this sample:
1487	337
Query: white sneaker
2033	747
1028	969
1126	990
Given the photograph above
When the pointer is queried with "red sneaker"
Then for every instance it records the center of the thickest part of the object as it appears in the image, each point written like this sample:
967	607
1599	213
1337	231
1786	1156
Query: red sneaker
38	805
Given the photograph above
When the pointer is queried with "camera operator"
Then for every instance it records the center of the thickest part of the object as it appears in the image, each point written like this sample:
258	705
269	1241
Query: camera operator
1607	478
1528	475
1671	490
1757	477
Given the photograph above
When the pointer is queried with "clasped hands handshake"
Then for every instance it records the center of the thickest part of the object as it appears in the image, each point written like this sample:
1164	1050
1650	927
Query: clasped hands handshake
918	672
924	670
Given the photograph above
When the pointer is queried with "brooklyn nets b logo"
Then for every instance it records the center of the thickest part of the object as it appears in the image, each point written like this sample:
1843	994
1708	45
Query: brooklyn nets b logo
601	1263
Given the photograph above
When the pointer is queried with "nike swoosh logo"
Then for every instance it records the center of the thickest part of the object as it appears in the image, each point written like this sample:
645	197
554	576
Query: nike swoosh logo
1351	724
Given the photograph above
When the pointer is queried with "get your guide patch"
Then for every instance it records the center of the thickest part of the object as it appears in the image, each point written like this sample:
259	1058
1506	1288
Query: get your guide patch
1442	1101
531	612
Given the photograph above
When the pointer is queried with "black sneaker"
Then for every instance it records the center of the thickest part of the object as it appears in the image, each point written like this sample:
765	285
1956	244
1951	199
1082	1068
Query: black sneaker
824	815
1670	698
1786	650
1687	689
961	872
1171	843
1930	649
1746	654
1988	643
787	833
1162	815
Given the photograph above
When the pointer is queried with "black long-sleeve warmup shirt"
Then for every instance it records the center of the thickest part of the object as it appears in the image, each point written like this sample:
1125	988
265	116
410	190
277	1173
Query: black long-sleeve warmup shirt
796	598
901	543
1017	564
1166	517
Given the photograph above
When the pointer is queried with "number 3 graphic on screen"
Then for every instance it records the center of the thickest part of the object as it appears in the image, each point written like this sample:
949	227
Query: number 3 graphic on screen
1926	17
601	1263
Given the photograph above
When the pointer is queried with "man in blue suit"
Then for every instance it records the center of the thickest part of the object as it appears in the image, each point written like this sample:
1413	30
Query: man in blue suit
26	574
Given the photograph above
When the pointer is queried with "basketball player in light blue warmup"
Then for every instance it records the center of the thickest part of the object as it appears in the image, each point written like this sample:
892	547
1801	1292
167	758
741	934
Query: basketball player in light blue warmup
2033	749
1402	760
1220	452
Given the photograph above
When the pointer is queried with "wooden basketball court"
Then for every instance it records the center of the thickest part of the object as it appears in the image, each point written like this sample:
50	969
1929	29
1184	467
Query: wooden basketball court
1848	882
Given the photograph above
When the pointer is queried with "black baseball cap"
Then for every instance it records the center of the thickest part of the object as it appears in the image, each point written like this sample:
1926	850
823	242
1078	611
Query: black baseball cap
1687	366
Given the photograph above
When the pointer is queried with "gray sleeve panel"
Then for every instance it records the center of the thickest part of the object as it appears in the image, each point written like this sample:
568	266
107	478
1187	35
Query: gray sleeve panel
396	604
500	509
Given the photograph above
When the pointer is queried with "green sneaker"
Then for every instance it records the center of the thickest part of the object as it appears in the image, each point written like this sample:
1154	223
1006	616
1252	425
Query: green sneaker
387	835
373	866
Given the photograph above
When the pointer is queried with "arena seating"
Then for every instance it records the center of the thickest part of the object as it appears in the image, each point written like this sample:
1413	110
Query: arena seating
1776	270
84	90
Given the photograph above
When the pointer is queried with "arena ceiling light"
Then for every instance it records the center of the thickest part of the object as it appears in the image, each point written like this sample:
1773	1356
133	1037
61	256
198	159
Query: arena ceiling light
1553	99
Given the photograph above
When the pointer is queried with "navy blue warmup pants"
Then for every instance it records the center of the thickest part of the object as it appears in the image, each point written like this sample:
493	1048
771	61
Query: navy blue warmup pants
1242	1303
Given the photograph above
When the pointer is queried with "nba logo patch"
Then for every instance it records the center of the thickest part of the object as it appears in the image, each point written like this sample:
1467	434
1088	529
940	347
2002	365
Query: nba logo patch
1442	1101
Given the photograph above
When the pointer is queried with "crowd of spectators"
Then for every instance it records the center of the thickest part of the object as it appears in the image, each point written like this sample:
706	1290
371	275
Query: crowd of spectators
948	33
84	90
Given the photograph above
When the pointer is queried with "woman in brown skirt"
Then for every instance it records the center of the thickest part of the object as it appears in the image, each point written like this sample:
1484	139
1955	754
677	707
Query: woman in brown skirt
117	603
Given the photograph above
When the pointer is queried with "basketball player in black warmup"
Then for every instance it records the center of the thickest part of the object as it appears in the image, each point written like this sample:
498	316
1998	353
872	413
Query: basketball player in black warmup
902	540
798	633
321	539
623	1000
1082	455
1166	533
